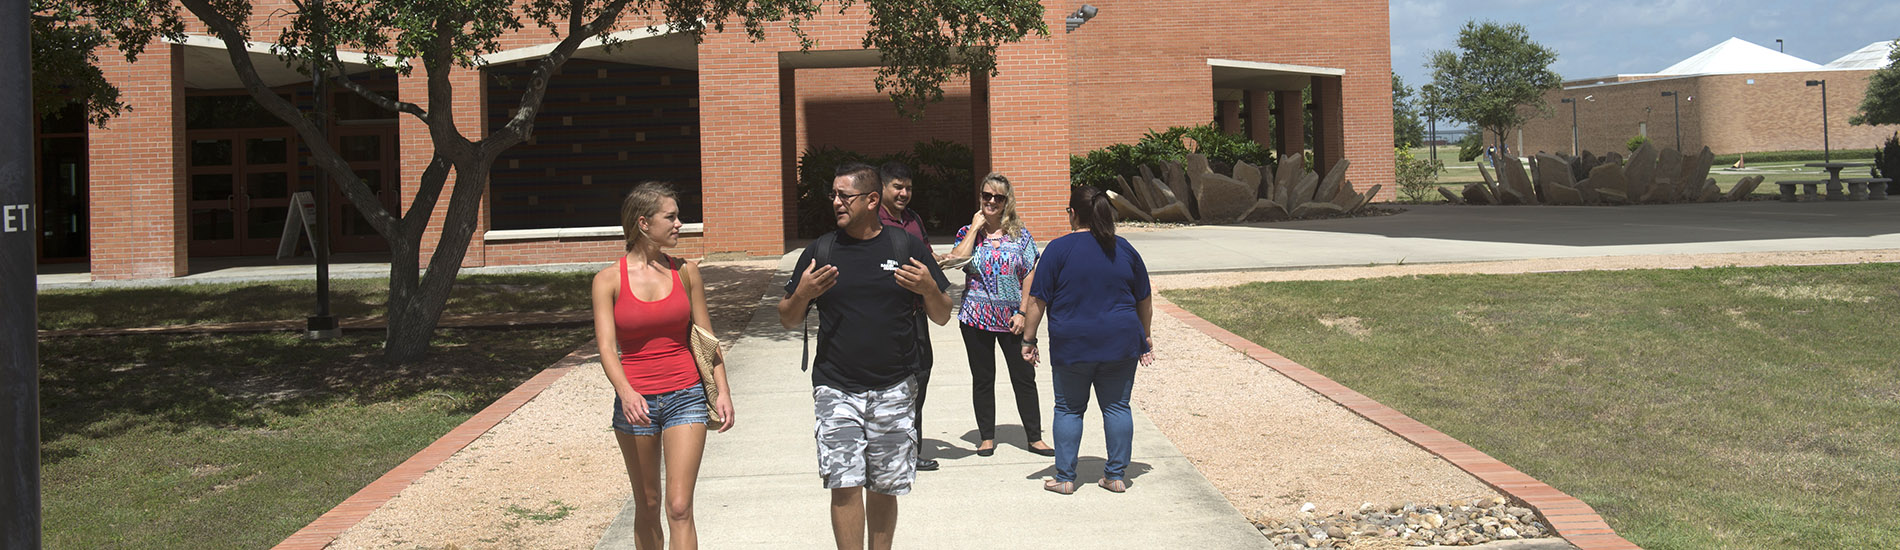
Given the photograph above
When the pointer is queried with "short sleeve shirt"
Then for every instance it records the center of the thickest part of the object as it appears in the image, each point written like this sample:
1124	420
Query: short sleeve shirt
910	222
994	286
1091	296
867	325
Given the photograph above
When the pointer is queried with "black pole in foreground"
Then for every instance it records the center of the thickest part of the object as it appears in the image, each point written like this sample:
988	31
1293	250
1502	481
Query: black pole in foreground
323	324
19	309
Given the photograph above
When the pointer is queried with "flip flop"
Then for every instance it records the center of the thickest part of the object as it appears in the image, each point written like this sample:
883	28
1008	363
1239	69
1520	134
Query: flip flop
1059	487
1113	485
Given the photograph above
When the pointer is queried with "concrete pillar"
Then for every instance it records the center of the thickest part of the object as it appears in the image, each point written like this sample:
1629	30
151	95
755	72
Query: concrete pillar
1291	111
1329	132
137	185
1230	116
980	123
1028	124
1260	117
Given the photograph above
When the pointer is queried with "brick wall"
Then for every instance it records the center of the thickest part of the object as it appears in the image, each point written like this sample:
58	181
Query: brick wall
139	228
1142	65
579	250
1726	113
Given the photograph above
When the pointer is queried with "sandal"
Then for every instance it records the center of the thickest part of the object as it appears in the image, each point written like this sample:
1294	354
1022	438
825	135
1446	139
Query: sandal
1059	487
1113	485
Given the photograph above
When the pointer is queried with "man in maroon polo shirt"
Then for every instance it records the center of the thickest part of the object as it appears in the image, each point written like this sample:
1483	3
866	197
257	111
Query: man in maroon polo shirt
896	200
894	210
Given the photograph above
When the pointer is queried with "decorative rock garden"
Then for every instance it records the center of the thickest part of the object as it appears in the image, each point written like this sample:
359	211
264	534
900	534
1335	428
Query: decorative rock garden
1407	524
1648	176
1194	193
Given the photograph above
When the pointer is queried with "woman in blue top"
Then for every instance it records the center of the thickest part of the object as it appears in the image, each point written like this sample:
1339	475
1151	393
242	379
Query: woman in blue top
1094	288
1001	254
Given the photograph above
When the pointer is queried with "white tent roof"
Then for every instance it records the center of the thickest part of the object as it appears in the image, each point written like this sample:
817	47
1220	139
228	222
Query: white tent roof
1737	56
1873	56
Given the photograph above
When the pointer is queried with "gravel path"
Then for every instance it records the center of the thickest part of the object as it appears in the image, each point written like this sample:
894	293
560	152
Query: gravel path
542	479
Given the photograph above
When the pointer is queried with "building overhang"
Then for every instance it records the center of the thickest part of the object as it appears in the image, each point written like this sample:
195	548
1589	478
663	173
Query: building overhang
1232	77
208	64
650	46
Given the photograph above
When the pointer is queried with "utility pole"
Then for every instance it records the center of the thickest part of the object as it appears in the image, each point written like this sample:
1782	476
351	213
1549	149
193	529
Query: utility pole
323	324
19	308
1827	154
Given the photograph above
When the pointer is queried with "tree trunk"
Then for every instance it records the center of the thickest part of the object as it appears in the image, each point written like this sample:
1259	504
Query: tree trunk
416	304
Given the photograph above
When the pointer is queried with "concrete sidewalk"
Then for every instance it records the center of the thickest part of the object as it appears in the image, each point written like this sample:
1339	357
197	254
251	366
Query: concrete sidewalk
759	488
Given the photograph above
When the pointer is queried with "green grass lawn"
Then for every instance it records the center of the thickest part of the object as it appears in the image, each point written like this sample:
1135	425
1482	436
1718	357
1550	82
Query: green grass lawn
238	440
1457	174
1707	408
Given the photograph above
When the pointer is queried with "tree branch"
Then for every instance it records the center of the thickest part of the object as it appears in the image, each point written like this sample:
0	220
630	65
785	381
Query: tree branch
313	137
518	128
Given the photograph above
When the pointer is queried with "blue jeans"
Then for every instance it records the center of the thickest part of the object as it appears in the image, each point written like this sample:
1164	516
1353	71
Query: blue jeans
1114	382
665	410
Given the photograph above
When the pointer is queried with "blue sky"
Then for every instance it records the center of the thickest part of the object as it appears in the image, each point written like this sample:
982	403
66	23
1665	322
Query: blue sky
1641	36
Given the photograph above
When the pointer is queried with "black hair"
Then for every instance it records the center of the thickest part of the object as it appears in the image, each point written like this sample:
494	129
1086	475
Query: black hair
893	171
863	176
1092	208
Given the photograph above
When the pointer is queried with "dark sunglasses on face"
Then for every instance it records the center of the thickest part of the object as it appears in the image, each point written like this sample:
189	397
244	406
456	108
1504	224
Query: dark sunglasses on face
993	197
846	197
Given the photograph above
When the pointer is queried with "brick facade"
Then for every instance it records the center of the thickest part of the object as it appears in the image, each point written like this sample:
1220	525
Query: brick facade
1138	66
1739	113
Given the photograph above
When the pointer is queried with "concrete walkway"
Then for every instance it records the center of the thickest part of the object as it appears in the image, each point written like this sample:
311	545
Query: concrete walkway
759	488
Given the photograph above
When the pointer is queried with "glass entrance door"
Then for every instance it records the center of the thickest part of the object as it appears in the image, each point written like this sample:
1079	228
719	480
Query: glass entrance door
239	196
62	197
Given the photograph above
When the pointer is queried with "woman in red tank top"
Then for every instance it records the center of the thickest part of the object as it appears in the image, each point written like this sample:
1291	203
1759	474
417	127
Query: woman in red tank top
644	308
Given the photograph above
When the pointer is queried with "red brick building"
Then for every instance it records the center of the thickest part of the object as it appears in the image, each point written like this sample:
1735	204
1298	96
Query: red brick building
1736	97
196	170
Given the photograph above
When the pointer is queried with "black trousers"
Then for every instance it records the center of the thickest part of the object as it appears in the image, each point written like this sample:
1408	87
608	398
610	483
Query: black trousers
981	346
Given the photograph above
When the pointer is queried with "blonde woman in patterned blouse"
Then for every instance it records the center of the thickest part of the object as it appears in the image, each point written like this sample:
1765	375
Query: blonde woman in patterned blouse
1001	256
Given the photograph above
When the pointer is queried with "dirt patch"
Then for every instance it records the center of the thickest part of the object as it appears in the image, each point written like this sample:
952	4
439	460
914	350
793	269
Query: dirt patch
1349	325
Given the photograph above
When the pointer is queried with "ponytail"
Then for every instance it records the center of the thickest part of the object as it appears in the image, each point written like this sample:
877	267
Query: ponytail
1093	209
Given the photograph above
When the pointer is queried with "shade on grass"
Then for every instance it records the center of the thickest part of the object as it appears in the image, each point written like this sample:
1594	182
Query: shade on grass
1707	408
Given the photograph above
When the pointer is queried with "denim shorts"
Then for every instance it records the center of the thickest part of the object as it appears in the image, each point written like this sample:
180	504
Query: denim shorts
664	411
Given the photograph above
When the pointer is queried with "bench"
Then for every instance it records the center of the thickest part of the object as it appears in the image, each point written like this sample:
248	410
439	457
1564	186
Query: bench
1873	189
1808	187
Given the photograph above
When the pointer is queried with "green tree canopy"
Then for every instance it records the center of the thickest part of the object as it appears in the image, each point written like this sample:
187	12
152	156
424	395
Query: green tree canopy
1882	104
1407	129
66	37
1496	72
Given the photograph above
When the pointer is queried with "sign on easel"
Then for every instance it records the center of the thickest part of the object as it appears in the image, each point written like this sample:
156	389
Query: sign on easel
300	221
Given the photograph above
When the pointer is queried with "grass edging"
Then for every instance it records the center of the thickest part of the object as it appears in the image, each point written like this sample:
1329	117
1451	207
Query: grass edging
326	528
1568	516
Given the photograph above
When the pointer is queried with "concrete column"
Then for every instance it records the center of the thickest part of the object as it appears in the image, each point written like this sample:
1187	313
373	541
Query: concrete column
1028	124
1230	116
741	147
137	185
1291	112
980	123
1260	117
1329	123
417	149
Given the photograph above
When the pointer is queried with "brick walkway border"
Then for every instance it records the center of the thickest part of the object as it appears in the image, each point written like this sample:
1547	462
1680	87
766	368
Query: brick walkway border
318	534
1570	518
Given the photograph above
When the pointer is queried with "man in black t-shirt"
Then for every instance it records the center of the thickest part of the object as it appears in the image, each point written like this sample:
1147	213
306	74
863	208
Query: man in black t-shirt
864	380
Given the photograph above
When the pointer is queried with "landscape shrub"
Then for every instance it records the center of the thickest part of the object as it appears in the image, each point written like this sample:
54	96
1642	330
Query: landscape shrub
1098	168
1887	160
1635	142
1417	178
1470	147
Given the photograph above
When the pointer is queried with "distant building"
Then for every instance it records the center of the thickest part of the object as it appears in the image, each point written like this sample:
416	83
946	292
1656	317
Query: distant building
1735	97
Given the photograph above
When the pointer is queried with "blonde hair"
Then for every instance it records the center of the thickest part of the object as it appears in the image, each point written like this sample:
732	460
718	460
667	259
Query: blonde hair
644	200
1012	224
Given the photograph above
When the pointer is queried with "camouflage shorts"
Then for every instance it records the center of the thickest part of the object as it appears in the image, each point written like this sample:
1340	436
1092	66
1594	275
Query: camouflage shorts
867	439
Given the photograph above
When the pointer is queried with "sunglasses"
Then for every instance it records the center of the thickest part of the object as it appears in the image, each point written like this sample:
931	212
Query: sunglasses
993	197
846	197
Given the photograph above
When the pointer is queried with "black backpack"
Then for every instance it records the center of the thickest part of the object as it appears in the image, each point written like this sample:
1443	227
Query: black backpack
821	255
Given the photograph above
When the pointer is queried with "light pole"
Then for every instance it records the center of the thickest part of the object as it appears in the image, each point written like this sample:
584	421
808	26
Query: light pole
1678	118
1826	155
1780	47
19	308
1431	122
1573	125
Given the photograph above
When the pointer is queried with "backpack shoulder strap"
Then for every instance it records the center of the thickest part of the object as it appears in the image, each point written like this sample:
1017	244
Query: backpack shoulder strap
820	255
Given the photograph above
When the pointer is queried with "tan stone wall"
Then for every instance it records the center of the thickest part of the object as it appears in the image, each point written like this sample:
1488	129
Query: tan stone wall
1726	113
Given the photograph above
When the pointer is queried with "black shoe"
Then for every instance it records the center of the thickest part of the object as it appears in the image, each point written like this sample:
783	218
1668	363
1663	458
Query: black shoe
1044	452
986	452
926	465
